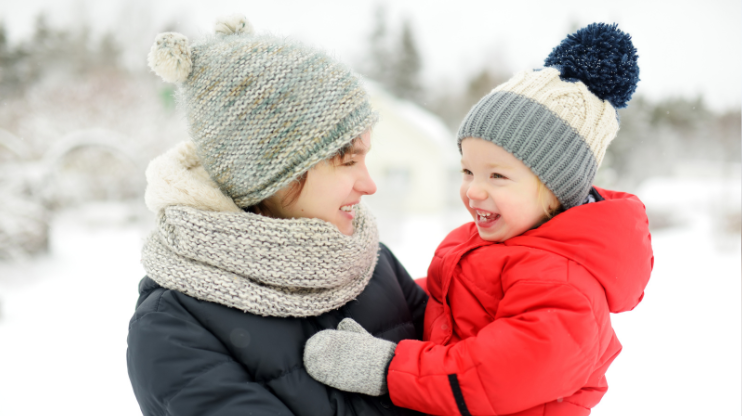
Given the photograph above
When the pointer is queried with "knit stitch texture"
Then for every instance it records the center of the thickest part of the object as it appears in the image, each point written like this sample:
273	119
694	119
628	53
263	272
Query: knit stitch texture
207	248
538	137
265	266
559	129
560	120
263	110
349	359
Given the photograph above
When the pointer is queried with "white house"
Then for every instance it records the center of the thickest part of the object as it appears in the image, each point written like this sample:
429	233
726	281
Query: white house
414	161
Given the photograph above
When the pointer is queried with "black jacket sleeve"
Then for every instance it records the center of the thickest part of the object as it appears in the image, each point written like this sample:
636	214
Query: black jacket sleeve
416	297
177	367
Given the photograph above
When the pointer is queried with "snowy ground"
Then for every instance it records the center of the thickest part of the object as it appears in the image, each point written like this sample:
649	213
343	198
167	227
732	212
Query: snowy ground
64	317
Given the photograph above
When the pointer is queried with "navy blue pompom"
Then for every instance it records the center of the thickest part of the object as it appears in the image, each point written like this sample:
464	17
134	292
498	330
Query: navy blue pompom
603	58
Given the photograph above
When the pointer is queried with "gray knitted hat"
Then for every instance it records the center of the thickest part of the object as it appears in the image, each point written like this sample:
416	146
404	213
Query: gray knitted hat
559	120
262	110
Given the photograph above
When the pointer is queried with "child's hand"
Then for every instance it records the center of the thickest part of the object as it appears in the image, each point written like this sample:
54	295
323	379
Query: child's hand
349	359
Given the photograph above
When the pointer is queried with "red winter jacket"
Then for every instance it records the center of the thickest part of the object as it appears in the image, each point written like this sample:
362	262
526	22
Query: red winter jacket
523	327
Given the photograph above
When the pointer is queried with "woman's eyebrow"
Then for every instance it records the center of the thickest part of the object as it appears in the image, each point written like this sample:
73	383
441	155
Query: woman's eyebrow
360	151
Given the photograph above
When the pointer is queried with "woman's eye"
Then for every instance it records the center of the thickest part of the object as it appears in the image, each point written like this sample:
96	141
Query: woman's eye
349	163
497	176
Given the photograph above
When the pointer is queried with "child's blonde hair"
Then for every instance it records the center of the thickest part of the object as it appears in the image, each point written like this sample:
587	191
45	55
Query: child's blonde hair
548	201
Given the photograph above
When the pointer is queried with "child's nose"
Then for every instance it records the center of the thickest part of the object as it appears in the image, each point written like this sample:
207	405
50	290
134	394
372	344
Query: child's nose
476	193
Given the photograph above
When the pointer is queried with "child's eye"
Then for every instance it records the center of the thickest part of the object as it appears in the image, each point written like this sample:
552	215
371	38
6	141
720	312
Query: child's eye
466	171
497	176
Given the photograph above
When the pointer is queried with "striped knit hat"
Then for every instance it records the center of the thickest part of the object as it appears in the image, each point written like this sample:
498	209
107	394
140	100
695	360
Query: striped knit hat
262	110
559	120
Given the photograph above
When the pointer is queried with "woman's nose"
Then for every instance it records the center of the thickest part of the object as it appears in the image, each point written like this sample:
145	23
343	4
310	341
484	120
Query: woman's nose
365	184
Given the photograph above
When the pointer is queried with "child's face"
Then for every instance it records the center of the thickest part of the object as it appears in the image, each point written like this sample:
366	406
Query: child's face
331	189
500	192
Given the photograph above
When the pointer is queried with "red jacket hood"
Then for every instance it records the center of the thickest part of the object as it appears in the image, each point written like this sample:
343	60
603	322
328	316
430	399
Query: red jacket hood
609	238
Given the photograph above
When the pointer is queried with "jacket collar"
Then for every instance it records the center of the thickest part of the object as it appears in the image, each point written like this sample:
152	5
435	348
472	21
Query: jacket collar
610	238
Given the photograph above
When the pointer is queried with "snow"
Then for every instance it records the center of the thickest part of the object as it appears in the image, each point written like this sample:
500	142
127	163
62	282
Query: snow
64	320
683	343
64	316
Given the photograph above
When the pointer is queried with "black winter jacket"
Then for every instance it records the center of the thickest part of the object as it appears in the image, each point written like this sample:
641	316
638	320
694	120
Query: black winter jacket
192	357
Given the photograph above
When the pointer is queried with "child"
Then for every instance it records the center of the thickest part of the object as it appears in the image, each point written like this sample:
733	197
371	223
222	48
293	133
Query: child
518	320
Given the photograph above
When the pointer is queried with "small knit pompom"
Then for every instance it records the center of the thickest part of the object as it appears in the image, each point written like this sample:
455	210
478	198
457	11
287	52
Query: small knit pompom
603	58
170	57
233	24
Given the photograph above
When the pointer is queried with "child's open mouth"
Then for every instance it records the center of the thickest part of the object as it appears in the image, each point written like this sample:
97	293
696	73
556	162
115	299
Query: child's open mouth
486	219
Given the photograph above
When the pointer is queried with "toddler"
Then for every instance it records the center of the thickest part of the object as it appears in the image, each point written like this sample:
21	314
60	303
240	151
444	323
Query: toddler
518	320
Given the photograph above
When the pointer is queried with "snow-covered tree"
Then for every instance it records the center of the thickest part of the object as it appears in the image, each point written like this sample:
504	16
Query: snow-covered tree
406	68
393	58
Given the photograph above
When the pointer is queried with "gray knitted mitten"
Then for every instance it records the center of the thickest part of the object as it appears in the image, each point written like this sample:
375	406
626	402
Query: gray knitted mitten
349	359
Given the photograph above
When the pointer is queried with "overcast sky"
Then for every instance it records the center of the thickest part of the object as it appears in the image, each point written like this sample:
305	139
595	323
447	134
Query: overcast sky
686	48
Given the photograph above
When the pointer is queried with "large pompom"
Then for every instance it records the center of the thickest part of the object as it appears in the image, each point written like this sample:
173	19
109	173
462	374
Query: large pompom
234	24
603	58
170	57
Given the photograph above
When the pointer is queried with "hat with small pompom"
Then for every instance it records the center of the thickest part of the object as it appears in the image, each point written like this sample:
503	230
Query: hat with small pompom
261	109
560	119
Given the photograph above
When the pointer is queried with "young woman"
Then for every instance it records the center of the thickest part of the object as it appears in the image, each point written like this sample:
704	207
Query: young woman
261	241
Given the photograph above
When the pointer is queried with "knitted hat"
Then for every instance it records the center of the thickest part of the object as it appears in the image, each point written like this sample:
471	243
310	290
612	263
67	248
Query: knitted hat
262	110
559	120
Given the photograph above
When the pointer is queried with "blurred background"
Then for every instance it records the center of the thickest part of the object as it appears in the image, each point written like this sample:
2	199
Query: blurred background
81	116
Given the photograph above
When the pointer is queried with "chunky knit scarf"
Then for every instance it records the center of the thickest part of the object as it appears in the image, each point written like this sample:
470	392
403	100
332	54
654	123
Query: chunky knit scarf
265	266
208	248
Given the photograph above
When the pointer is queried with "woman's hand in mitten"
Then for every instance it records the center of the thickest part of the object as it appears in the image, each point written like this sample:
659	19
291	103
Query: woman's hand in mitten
349	359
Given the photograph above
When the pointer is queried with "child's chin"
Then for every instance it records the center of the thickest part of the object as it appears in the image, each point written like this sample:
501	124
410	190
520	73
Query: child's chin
488	236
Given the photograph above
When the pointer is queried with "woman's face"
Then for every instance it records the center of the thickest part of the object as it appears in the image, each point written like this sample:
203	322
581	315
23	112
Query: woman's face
332	189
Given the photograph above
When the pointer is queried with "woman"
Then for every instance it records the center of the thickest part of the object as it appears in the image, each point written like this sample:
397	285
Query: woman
261	241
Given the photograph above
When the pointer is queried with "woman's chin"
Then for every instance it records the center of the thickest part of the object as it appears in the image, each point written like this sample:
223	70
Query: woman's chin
347	230
345	226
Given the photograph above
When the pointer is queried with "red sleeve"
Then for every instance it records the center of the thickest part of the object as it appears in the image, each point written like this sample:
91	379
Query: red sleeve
542	345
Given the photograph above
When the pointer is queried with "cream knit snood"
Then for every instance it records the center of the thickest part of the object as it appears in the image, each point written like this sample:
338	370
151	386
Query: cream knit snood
265	266
206	247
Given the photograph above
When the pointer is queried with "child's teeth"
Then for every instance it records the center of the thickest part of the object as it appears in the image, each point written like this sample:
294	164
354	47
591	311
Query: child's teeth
486	216
347	208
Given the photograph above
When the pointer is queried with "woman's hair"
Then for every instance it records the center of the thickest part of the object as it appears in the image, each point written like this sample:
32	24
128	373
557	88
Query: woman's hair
548	201
297	185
